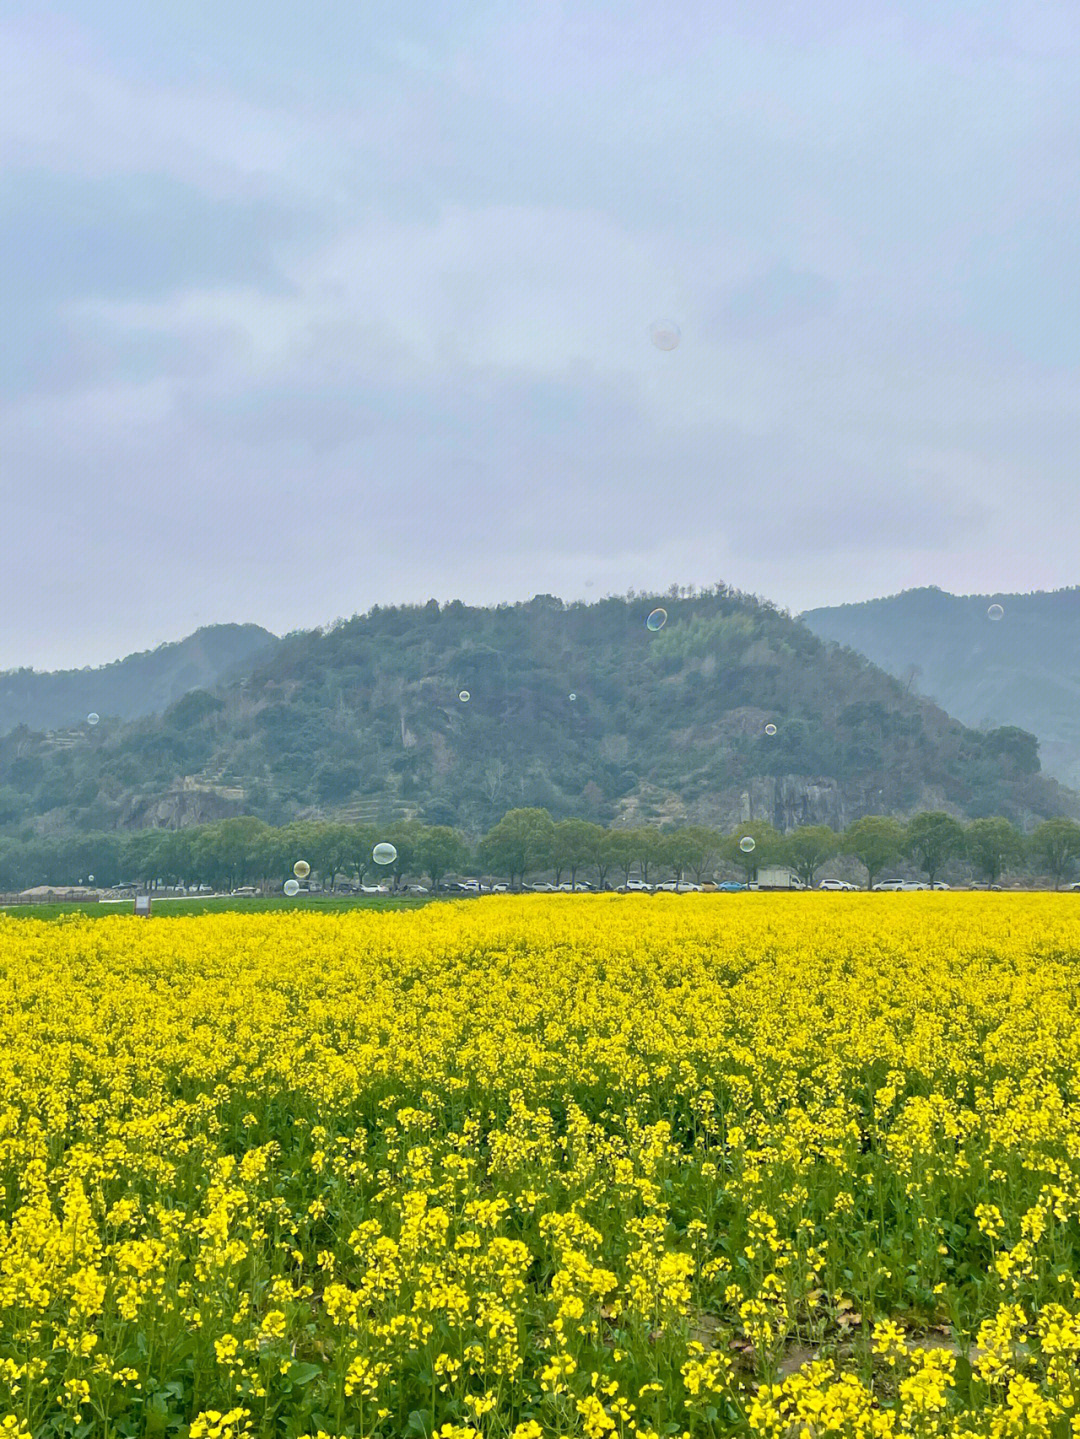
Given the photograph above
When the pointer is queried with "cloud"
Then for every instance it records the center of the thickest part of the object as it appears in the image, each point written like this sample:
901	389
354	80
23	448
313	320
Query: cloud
315	316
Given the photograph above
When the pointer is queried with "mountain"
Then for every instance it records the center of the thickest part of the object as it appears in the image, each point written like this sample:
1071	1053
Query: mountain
455	714
141	684
1023	669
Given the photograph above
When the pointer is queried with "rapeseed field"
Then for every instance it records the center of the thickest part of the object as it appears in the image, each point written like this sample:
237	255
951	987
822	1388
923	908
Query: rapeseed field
792	1166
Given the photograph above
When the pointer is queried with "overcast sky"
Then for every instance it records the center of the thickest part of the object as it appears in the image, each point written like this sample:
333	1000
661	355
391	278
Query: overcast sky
309	308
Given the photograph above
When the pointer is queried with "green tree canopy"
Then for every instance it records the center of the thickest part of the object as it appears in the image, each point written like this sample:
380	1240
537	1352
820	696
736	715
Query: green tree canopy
439	851
993	846
766	849
1055	844
875	840
522	840
576	842
933	838
807	848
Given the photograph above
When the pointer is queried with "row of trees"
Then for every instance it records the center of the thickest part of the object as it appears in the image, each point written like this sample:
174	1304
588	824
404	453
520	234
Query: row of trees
527	842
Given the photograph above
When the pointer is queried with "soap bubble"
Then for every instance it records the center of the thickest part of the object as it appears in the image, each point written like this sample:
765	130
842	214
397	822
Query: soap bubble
747	844
291	887
301	869
384	853
92	718
995	612
573	697
656	621
91	879
665	334
770	729
464	696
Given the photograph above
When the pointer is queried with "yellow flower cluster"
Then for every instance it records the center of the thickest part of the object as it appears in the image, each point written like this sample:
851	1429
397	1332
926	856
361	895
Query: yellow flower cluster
796	1166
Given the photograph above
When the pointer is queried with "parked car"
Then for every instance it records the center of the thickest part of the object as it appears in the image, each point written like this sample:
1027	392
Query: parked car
543	887
891	884
418	889
838	884
245	889
730	886
374	889
940	884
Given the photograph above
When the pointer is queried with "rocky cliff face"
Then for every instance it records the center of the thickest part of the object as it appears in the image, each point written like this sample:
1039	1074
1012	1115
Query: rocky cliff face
181	807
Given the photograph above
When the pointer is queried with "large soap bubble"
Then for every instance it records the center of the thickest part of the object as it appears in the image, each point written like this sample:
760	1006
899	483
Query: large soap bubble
995	612
301	869
573	697
384	853
770	729
92	718
665	334
656	621
291	887
464	696
747	844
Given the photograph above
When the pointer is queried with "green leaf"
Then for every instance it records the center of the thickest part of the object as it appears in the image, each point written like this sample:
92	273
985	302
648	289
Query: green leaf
304	1373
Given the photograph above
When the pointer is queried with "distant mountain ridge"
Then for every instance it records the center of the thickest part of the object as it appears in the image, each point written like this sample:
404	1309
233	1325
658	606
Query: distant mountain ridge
454	714
1023	669
130	688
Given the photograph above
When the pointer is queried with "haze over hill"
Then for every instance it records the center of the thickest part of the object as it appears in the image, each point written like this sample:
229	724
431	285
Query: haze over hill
456	714
1023	669
140	684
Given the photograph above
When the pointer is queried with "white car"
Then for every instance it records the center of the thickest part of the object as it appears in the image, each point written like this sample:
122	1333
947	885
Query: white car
838	884
940	884
892	884
374	889
544	887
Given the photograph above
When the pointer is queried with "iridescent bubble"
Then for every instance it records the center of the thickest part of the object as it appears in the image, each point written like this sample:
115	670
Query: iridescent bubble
573	697
995	612
747	844
770	729
464	696
291	887
665	334
384	853
301	869
92	718
656	621
90	878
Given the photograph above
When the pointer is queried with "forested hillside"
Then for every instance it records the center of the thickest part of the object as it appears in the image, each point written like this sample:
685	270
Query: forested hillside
454	714
1022	669
141	684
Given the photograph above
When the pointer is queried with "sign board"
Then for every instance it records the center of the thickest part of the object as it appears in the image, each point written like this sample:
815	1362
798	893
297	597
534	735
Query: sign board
142	905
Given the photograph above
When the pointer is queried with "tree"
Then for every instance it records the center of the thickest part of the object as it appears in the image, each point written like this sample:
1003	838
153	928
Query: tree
690	847
621	850
520	841
767	842
649	843
440	850
993	846
807	848
932	839
576	841
873	840
1055	844
362	840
